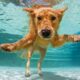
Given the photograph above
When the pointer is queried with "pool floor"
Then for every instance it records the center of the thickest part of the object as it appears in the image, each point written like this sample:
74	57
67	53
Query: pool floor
9	73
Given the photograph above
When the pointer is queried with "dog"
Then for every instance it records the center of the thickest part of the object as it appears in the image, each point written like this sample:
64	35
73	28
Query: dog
44	25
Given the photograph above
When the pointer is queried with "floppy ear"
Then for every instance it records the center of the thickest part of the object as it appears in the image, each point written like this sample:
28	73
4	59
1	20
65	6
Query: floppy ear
30	10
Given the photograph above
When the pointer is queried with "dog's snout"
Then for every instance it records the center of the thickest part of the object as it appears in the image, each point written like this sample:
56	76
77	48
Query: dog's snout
46	33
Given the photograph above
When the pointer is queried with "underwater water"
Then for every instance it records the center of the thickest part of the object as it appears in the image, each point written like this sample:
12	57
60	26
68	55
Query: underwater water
14	25
60	63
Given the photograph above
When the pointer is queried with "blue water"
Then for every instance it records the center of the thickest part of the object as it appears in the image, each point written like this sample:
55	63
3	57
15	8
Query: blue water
14	25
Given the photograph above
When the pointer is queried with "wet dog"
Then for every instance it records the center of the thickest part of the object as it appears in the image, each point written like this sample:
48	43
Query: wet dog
44	24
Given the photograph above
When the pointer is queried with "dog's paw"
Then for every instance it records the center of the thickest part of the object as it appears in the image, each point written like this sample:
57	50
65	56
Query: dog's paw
74	38
27	75
40	74
7	47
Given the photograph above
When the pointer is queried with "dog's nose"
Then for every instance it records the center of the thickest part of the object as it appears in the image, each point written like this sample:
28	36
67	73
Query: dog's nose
46	33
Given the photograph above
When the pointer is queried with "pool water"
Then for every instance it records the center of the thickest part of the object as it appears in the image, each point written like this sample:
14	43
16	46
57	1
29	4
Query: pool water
14	25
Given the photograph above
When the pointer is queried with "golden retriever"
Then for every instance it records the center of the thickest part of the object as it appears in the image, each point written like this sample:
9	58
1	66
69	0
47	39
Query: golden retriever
44	24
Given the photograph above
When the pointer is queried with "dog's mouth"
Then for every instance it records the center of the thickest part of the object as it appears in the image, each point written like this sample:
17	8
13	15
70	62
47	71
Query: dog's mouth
46	34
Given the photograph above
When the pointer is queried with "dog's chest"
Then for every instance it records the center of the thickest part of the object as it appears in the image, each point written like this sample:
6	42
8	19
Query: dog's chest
41	43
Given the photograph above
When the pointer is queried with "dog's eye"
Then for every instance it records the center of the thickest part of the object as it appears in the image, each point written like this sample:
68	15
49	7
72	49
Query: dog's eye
39	18
53	18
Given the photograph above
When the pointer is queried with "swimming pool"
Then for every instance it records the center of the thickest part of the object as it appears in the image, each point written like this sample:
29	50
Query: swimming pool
14	25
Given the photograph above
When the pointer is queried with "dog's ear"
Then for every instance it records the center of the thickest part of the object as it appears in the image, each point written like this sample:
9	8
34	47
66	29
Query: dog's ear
60	12
30	10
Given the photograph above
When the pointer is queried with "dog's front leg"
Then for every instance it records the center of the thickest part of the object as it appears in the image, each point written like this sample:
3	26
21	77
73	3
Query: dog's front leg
42	55
74	38
70	38
60	40
29	54
24	42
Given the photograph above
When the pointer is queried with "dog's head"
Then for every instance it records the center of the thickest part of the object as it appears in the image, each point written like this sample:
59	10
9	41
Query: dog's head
46	20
